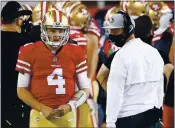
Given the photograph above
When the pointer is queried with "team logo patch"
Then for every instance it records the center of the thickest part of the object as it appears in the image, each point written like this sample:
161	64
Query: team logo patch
84	11
37	119
156	7
54	59
111	19
56	23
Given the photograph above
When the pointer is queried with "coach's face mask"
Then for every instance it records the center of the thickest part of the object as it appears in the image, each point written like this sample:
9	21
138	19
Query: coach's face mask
118	40
26	25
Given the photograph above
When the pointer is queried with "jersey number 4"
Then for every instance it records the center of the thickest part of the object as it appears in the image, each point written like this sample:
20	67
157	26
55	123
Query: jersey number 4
59	81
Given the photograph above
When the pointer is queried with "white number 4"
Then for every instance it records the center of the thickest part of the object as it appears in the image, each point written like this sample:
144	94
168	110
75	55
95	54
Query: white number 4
60	82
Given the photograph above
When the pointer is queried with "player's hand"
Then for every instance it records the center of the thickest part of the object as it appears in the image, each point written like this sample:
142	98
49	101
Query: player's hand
62	110
45	110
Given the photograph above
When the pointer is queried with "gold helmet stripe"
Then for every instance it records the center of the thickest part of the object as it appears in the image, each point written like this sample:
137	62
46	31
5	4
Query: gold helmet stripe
43	7
71	8
58	16
62	5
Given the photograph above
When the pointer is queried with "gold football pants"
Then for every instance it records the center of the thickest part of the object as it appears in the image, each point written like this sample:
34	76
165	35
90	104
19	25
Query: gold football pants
39	121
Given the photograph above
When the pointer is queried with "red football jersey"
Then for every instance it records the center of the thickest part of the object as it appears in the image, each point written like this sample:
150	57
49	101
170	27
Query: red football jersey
76	32
79	37
94	28
53	76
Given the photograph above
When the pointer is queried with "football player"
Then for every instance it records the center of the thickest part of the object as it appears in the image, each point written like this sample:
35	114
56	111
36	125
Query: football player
80	22
48	70
38	12
156	10
135	8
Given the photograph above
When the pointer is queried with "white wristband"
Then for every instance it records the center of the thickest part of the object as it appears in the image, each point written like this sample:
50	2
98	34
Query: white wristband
72	105
78	99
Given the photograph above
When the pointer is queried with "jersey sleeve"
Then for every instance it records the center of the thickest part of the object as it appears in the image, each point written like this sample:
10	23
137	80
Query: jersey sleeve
80	60
93	28
24	62
78	37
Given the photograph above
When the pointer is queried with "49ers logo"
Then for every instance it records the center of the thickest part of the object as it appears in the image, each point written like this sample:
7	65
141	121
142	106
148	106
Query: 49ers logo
56	24
111	19
156	7
84	11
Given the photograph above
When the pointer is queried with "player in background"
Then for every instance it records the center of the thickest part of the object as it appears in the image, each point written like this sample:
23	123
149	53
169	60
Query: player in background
38	12
135	9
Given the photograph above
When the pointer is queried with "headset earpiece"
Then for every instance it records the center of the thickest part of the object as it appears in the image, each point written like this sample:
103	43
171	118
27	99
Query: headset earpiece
128	26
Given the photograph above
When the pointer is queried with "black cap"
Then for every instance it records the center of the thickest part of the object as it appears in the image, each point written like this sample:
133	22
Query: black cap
13	10
143	26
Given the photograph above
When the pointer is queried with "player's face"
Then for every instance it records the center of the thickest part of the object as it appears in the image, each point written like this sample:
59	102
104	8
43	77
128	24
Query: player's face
55	34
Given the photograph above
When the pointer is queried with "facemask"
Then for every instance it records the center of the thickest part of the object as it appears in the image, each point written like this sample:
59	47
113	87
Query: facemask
118	40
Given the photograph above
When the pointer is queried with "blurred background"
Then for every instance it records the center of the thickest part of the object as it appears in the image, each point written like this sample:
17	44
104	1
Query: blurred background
94	6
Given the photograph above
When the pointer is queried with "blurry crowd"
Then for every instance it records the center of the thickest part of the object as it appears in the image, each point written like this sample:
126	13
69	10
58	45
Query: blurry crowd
154	24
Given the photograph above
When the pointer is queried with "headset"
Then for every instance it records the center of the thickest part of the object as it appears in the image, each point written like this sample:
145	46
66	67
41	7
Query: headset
128	26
